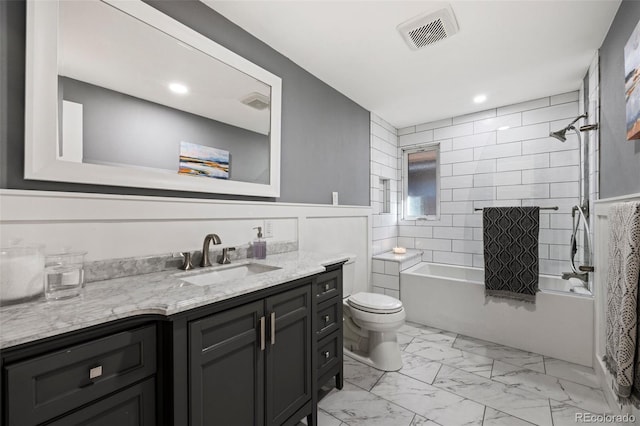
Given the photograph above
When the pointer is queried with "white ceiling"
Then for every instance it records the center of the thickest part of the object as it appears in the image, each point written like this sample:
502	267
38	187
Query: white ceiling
104	46
511	51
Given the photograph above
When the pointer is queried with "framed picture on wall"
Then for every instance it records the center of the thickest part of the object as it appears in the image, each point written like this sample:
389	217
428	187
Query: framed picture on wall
631	83
201	160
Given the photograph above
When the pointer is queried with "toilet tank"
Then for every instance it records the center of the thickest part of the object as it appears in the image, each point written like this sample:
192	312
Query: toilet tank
348	276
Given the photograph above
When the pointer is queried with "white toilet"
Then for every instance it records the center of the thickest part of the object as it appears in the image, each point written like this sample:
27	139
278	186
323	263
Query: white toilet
370	323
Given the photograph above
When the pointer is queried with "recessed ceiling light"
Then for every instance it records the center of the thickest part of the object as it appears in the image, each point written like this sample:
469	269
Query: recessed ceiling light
178	88
480	99
503	128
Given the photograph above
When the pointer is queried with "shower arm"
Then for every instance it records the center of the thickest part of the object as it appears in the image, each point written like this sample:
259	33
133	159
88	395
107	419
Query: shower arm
576	120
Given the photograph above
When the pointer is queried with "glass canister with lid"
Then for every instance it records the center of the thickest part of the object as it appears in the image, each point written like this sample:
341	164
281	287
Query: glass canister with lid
21	273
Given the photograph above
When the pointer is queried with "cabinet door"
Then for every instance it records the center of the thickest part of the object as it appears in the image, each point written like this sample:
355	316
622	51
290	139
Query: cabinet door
226	368
134	406
288	385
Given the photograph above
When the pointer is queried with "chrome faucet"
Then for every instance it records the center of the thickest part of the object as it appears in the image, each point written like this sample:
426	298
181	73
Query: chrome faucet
223	259
205	248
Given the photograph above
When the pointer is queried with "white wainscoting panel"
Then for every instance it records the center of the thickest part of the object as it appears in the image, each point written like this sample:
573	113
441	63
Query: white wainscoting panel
118	226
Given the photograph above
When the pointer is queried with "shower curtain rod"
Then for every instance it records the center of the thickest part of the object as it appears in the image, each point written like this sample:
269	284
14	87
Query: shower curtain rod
541	208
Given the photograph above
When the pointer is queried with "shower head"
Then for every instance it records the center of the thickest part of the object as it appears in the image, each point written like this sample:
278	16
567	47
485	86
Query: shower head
561	134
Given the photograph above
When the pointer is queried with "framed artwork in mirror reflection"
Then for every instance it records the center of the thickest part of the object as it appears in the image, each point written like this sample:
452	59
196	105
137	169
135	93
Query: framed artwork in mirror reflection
201	160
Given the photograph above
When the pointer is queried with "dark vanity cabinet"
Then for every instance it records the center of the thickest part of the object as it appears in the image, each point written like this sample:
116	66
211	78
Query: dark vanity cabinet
106	380
256	359
251	365
328	326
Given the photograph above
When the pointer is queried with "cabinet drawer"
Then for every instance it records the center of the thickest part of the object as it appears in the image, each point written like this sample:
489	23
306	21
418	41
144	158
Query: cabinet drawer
47	386
328	317
328	285
328	353
135	406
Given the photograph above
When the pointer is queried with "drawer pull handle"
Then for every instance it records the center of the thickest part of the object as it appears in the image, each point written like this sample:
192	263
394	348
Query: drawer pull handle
273	328
326	319
262	333
95	372
326	354
326	287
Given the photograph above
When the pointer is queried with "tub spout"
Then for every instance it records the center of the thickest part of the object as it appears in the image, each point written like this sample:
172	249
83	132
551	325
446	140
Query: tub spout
584	276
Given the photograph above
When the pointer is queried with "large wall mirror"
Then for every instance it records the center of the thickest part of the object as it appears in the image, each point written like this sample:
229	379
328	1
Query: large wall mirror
120	94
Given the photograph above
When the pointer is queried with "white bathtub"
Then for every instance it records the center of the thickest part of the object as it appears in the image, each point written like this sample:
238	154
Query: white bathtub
559	324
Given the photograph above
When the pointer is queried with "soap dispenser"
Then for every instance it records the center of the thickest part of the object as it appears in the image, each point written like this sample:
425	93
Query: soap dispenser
259	246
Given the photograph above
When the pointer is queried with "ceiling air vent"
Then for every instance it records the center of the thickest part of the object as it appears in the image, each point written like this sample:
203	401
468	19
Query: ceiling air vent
256	100
429	28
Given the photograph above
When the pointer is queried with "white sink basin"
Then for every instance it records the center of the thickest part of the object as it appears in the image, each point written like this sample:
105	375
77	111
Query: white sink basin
226	273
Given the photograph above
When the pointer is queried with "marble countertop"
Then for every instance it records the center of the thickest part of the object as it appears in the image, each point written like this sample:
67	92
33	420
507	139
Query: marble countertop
162	293
393	257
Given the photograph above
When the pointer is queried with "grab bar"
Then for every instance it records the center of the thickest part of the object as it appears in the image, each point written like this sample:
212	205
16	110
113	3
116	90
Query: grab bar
541	208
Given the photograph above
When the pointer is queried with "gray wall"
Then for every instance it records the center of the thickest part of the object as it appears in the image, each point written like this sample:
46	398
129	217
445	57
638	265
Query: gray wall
325	135
619	158
116	130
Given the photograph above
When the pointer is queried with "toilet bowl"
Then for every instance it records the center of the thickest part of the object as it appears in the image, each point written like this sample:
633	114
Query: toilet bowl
370	324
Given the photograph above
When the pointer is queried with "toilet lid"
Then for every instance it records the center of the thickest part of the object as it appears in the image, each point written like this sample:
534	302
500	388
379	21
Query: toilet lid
375	303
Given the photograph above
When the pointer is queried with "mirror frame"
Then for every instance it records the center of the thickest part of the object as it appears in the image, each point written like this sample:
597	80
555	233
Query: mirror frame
41	109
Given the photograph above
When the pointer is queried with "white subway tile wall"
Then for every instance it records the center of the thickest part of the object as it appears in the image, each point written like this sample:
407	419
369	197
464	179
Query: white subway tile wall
482	166
386	274
384	165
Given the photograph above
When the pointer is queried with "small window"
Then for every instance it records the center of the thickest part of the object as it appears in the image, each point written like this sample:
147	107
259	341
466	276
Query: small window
421	182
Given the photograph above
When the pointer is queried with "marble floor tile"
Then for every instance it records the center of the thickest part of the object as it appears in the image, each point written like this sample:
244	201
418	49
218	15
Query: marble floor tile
404	340
419	367
498	418
325	419
511	400
416	330
443	338
584	397
428	401
360	374
456	380
357	407
451	356
503	353
570	371
546	386
565	414
418	420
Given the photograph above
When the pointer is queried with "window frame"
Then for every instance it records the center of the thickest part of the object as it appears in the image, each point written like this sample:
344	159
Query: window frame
406	151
